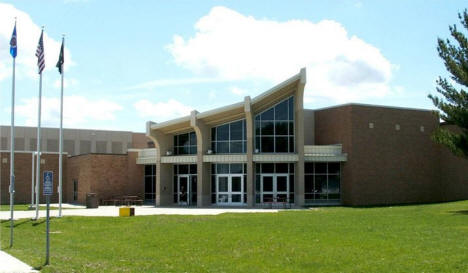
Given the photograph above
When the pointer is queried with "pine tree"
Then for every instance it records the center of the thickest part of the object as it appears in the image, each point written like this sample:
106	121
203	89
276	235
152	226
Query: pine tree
454	108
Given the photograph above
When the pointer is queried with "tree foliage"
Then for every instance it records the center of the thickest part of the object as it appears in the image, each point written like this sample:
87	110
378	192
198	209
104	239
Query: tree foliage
454	104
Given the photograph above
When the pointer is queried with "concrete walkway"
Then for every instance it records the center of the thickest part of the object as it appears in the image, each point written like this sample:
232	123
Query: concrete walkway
139	210
9	264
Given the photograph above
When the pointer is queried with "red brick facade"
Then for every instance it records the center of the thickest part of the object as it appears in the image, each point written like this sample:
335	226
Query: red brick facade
23	176
395	161
105	174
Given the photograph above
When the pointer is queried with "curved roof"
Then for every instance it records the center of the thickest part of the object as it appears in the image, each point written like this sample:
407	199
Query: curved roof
236	110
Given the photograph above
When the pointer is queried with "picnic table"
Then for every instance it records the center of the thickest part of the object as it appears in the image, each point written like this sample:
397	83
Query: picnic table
276	202
126	200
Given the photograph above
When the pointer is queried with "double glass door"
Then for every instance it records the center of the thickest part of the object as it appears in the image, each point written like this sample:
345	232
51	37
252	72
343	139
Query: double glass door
229	189
183	190
274	188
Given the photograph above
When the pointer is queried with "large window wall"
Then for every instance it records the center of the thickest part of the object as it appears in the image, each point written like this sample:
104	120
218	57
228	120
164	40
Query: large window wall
274	128
185	144
322	182
274	182
229	184
229	138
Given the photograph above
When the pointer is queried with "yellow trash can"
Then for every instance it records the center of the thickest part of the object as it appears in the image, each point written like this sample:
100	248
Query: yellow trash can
126	211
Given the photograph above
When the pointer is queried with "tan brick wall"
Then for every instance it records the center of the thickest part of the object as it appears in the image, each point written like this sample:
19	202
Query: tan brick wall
23	177
107	175
140	141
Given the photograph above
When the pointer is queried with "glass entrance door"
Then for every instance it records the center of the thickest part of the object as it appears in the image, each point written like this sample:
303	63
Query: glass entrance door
183	190
274	188
229	189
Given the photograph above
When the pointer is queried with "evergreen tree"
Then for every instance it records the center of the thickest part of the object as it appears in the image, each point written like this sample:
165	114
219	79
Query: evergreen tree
454	108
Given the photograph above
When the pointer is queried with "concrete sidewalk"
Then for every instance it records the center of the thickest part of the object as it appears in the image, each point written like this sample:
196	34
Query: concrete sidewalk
113	211
9	264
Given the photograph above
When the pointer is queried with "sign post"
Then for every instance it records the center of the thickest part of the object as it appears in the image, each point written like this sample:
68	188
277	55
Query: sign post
48	190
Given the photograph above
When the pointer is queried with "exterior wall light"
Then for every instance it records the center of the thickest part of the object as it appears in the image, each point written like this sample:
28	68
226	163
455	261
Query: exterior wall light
257	151
209	151
169	153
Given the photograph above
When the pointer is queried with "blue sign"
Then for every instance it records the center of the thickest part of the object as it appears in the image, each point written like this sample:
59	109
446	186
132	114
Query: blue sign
48	183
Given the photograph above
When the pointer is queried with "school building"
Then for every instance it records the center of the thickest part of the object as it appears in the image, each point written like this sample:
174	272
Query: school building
262	151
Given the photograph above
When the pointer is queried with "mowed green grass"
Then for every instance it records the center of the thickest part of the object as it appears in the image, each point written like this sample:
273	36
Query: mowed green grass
422	238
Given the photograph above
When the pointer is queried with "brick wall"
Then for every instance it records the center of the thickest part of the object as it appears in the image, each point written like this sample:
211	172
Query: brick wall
140	141
385	165
105	174
23	177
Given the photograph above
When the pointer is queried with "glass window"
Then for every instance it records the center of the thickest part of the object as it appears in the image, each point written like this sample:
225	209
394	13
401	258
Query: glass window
276	126
321	168
334	168
222	133
222	168
268	115
236	147
236	168
281	128
185	144
222	147
183	140
268	168
267	128
281	144
229	138
223	183
183	169
193	139
281	111
309	184
268	183
281	168
322	182
236	130
267	145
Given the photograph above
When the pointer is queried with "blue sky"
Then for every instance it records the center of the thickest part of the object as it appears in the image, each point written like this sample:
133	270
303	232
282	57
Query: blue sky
133	61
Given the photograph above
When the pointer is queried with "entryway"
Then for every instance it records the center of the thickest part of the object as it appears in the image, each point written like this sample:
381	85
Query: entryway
229	189
274	188
183	190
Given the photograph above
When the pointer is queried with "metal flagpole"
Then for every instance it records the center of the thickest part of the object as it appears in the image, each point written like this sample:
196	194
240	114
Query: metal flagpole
41	65
38	158
61	136
12	150
32	180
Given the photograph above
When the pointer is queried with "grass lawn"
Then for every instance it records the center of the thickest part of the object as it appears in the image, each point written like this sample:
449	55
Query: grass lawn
424	238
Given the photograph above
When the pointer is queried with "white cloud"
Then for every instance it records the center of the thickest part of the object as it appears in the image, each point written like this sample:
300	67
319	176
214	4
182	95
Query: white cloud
172	82
66	83
161	111
78	111
232	46
28	34
238	91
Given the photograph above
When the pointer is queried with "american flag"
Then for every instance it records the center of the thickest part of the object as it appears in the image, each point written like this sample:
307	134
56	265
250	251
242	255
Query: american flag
40	54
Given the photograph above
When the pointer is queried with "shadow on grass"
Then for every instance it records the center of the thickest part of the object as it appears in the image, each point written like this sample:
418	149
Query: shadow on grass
18	223
459	212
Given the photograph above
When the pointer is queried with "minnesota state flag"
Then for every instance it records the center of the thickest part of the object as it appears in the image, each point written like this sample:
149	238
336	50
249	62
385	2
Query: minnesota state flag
13	49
